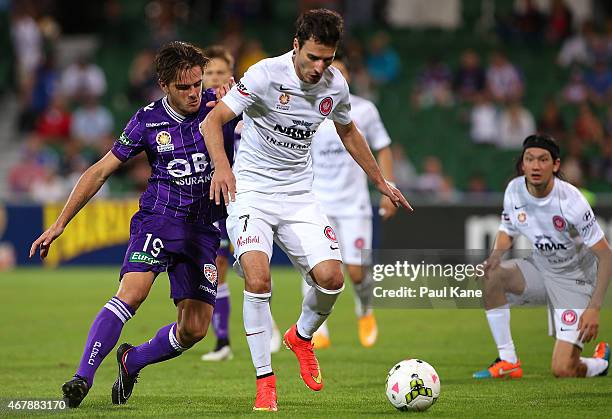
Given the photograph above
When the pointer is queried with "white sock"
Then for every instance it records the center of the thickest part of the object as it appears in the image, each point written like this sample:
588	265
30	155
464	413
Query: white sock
317	305
223	290
323	328
595	366
258	327
499	322
363	296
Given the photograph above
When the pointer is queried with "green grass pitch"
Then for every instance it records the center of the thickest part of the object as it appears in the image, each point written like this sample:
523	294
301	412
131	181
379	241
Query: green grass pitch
46	315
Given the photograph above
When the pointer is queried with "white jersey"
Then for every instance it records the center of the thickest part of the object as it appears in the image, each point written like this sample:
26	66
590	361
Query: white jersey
281	114
339	183
560	226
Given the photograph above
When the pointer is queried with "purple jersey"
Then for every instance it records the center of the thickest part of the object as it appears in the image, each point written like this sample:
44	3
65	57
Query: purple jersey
181	167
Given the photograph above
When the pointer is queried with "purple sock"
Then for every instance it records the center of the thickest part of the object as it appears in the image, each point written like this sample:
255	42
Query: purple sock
103	336
162	347
220	318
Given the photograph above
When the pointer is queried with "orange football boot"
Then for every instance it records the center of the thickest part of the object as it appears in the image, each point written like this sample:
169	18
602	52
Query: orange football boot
266	394
501	369
309	366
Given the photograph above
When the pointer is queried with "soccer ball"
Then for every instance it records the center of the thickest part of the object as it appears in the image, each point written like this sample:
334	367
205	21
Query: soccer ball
413	385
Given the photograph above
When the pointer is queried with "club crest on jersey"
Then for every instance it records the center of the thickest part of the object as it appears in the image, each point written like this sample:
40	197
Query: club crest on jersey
569	317
210	273
326	105
559	223
283	104
521	217
359	243
330	234
164	141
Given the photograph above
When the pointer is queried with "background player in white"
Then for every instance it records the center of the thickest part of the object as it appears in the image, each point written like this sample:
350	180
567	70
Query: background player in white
342	190
569	267
218	73
283	100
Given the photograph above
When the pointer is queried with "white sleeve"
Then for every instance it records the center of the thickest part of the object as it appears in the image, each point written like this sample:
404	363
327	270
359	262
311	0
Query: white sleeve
342	111
252	87
583	219
507	223
375	131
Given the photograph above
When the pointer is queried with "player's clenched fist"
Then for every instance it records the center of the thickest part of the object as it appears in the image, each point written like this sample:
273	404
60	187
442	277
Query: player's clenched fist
44	241
223	183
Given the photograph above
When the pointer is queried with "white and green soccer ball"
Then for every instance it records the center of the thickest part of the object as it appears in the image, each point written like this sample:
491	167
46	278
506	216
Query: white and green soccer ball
413	385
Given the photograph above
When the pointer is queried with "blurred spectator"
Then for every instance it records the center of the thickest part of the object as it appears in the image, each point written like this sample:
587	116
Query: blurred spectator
432	180
383	61
469	80
143	87
23	174
484	120
572	171
559	22
526	23
599	82
53	125
528	20
252	52
162	16
576	91
44	86
48	188
83	79
515	124
587	127
433	85
403	169
477	184
551	122
503	79
92	125
27	42
361	82
577	49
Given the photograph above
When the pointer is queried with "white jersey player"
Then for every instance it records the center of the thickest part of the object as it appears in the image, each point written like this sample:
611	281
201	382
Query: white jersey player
283	101
342	190
569	267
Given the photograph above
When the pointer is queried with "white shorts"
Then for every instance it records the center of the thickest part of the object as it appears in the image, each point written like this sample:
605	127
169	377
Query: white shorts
354	235
294	221
566	299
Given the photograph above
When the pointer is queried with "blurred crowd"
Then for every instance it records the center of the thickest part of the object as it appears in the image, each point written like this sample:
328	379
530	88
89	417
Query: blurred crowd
66	126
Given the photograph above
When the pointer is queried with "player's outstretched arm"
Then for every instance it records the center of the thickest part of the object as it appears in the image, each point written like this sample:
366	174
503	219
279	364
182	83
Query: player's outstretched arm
358	148
384	157
223	182
588	325
89	183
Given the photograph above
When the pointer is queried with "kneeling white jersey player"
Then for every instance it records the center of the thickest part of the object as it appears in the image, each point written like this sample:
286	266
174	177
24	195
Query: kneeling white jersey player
569	267
341	187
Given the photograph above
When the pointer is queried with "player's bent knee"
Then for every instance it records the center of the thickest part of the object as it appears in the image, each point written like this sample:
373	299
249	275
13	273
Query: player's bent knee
563	369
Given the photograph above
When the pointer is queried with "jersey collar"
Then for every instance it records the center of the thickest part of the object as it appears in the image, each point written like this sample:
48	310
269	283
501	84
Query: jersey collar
171	112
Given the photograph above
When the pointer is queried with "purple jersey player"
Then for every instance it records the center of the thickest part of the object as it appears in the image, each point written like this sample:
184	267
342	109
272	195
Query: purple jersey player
171	232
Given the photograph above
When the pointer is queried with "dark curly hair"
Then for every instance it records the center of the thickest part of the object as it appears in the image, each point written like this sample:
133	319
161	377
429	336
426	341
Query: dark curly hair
321	25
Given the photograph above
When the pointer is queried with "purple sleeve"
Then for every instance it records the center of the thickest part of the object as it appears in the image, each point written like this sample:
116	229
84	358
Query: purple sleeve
131	141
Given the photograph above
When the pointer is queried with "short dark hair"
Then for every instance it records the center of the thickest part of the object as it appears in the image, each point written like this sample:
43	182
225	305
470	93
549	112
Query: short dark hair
321	25
220	52
176	57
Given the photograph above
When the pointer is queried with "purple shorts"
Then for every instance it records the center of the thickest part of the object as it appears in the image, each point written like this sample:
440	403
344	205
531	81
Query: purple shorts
185	250
224	247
